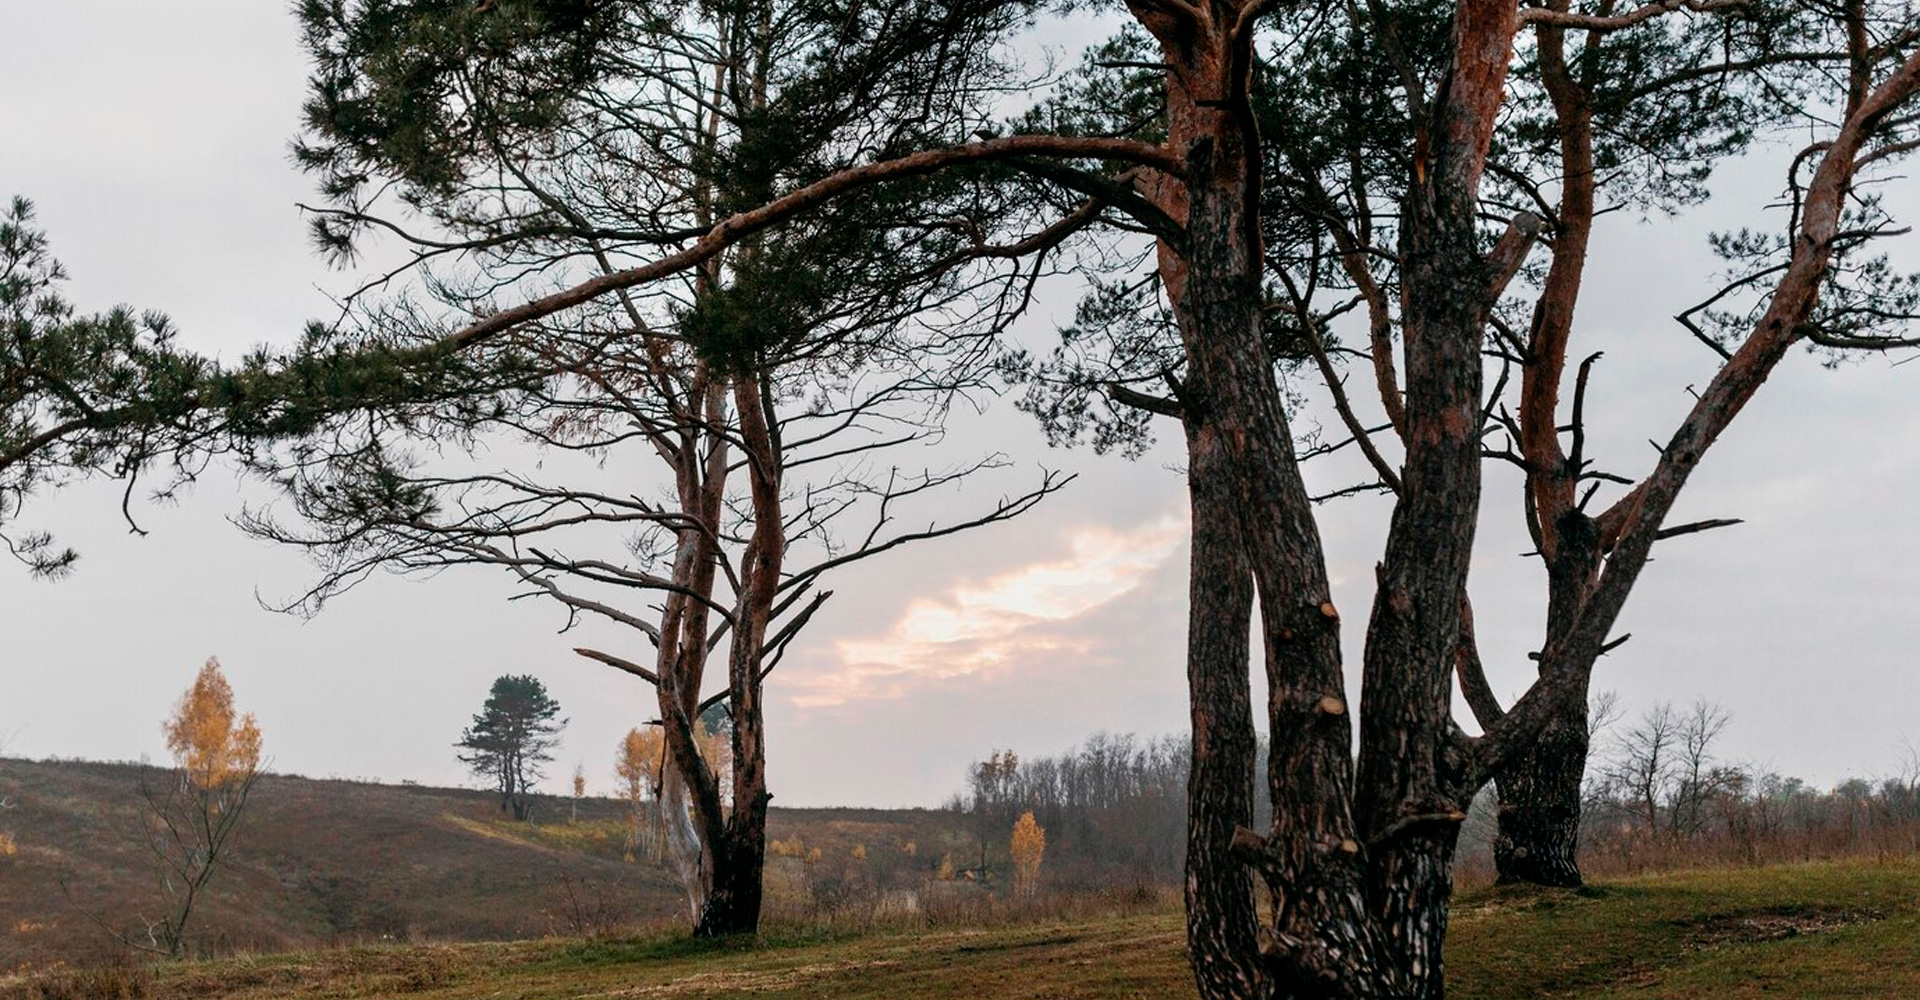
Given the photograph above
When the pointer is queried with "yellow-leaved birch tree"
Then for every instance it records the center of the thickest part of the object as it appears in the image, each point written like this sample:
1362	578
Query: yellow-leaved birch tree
188	824
1028	848
637	763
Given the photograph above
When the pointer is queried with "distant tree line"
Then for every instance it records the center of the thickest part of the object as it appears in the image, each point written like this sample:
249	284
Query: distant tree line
1114	808
1661	795
1662	792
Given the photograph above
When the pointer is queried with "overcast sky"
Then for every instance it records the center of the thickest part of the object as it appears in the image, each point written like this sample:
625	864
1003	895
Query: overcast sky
153	137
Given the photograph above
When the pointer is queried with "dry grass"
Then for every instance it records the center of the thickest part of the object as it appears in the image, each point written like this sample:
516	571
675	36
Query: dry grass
1812	932
317	864
332	863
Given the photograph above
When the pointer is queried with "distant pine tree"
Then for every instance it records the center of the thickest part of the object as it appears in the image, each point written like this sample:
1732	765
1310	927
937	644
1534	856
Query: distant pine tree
510	737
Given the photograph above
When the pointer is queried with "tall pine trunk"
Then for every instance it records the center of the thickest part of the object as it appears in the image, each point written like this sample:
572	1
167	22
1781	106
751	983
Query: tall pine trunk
1254	537
1359	875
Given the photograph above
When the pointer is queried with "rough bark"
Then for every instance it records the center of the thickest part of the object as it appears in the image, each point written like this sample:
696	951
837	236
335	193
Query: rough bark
1359	871
1538	837
1253	524
1221	917
1411	788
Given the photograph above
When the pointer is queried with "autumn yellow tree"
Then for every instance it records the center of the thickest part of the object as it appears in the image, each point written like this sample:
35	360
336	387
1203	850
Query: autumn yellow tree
211	748
8	846
638	764
716	748
189	821
1028	848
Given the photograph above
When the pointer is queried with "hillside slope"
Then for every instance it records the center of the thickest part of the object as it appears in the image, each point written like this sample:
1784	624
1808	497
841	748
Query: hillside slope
319	863
315	863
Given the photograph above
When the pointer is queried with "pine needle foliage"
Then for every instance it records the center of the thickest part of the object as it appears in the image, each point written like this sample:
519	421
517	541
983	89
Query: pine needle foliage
510	738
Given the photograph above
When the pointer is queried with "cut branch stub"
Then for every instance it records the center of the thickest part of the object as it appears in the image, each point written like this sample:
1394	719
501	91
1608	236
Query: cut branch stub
1248	846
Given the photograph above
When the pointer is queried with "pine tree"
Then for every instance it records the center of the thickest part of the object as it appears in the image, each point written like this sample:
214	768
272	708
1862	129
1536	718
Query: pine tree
510	737
103	393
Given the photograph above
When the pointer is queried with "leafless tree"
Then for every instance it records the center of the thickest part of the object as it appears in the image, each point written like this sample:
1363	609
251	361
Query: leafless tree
1665	766
188	830
1698	776
1644	762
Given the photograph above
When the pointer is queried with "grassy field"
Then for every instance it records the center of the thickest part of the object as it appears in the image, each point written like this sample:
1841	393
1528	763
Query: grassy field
1811	932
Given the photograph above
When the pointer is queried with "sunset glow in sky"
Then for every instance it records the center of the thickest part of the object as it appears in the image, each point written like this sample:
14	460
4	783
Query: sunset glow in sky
997	624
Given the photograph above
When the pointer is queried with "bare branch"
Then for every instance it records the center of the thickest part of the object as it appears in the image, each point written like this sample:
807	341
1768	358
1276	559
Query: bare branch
1590	22
620	664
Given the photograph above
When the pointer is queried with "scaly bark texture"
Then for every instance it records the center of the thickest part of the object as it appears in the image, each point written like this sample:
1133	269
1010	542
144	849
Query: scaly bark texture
1359	874
1253	522
1538	838
1412	780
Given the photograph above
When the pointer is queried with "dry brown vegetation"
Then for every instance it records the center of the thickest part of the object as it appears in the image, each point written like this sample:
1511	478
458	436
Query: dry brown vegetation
376	886
326	863
1812	932
315	863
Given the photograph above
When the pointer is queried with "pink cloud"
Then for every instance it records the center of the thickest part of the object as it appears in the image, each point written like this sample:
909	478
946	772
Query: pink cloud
1021	616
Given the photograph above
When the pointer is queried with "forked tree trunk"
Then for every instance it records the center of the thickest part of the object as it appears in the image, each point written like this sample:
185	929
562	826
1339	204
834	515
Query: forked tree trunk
1253	536
736	843
1539	792
1358	904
